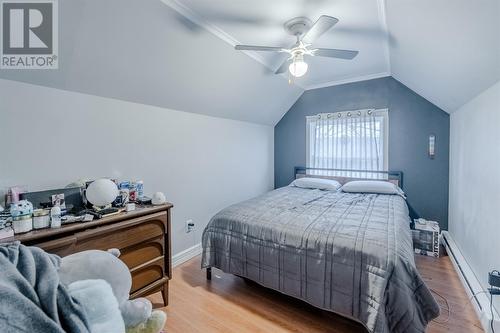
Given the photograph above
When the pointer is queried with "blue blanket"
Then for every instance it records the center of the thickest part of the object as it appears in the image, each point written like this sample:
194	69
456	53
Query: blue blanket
32	299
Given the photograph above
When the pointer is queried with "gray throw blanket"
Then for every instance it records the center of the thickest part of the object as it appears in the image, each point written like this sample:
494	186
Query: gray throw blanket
348	253
32	299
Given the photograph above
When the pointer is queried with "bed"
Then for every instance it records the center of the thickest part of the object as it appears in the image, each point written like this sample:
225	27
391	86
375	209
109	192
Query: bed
350	253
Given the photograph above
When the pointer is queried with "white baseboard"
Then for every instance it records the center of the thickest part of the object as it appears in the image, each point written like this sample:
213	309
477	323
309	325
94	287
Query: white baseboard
185	255
472	286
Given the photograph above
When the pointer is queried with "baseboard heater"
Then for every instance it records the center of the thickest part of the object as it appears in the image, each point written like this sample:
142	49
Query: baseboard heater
481	300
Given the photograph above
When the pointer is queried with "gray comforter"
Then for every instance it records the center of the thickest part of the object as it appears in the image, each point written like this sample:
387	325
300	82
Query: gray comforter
32	299
348	253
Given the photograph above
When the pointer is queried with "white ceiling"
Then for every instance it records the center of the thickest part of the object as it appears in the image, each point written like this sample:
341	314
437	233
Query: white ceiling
260	22
179	54
140	51
448	51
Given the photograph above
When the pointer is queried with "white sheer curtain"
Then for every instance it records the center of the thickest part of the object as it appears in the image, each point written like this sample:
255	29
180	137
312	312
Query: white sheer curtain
354	140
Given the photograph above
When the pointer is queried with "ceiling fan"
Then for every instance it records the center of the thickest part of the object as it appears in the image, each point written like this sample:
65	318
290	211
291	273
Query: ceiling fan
306	34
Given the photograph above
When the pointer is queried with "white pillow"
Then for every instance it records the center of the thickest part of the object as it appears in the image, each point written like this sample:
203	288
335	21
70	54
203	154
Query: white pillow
372	186
317	183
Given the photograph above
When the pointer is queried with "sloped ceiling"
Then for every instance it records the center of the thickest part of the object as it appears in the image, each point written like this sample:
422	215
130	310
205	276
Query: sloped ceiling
139	51
361	27
448	51
179	54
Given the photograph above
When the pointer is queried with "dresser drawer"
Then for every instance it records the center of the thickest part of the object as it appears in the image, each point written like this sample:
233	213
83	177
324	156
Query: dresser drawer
142	236
139	254
61	246
147	273
127	234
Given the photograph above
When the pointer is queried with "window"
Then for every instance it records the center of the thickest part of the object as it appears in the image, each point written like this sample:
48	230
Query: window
353	140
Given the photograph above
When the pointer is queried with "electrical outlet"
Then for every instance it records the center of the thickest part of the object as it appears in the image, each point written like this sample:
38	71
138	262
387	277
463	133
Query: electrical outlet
189	226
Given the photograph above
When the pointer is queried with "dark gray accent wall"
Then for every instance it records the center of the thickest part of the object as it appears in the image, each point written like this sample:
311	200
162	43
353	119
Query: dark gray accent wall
411	120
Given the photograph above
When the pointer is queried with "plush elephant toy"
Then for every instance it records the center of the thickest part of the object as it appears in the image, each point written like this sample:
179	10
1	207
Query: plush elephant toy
137	314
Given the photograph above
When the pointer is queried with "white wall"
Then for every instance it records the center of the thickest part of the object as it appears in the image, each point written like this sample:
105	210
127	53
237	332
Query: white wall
146	52
52	137
474	208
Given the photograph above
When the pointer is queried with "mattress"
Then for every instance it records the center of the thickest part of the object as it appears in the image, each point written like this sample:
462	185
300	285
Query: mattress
349	253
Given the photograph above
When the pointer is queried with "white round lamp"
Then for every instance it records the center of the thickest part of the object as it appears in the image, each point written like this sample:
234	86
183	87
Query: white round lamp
101	192
298	67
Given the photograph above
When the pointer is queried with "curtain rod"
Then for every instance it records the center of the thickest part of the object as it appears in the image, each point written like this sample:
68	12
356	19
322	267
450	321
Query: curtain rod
348	113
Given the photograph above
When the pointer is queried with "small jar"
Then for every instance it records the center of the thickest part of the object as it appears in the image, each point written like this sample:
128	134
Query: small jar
41	218
22	223
132	196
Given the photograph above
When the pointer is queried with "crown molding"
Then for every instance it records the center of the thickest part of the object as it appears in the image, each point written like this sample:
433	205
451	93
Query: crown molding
213	29
224	36
382	16
217	32
348	80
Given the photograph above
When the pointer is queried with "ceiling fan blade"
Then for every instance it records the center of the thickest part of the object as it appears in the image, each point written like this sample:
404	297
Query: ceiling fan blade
258	48
283	68
334	53
322	25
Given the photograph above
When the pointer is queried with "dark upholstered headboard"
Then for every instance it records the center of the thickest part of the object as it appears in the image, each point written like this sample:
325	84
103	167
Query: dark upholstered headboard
343	175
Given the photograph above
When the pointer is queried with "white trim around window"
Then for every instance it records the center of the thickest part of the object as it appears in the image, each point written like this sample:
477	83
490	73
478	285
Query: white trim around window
354	140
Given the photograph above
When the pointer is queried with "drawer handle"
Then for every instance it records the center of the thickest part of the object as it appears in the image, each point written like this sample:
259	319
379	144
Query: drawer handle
57	243
148	263
100	230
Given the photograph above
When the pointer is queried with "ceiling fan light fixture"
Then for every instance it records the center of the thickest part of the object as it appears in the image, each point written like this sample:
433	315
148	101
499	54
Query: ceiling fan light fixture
306	34
298	67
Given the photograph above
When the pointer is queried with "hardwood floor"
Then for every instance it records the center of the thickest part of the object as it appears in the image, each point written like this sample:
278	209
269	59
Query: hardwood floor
231	304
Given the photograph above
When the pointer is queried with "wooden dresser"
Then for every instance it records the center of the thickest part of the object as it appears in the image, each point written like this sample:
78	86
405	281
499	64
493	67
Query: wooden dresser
143	237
